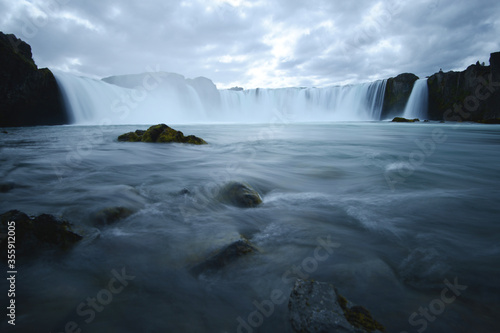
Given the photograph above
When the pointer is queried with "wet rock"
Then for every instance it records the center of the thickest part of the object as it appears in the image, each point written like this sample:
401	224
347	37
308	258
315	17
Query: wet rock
35	233
404	120
160	134
224	257
240	195
316	307
111	215
6	187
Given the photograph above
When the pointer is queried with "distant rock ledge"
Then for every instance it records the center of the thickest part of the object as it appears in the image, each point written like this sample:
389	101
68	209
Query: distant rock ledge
160	134
404	120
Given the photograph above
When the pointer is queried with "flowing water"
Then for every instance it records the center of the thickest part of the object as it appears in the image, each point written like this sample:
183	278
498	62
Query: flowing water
166	97
418	103
400	207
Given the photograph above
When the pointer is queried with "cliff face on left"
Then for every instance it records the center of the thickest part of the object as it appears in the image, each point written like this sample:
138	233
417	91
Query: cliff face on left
28	96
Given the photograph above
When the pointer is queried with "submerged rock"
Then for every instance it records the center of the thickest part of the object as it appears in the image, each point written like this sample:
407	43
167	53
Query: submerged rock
161	134
6	187
224	257
111	215
404	120
34	233
240	195
316	307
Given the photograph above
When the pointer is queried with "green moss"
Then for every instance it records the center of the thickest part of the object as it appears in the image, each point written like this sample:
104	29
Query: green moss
404	120
129	137
160	133
359	316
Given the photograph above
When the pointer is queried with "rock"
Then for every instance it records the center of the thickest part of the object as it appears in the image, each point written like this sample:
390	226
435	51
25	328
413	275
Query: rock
397	93
470	95
239	195
224	257
6	187
161	134
316	307
111	215
404	120
28	96
489	121
35	233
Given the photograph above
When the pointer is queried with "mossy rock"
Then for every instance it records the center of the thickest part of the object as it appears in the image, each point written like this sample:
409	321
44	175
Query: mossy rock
359	316
112	215
239	195
224	257
160	133
37	233
404	120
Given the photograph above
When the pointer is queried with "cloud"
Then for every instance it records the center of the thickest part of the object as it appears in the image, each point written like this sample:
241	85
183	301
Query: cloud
257	43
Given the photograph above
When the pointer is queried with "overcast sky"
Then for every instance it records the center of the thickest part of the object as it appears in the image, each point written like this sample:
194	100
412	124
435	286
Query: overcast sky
257	43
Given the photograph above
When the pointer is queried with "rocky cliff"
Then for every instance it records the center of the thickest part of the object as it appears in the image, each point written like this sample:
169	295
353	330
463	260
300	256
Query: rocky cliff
28	96
471	95
397	92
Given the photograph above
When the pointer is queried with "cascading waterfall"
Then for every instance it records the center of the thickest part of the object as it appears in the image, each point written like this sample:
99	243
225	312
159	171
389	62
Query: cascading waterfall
166	97
417	104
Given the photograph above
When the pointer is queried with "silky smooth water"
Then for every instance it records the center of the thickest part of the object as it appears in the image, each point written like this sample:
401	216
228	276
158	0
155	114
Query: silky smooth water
405	205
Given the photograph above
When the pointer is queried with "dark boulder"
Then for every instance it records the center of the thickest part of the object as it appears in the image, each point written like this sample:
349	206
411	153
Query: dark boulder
316	307
397	92
223	257
404	120
160	134
111	215
28	96
239	195
33	234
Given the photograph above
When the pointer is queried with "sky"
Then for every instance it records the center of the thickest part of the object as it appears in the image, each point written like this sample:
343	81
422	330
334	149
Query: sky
267	44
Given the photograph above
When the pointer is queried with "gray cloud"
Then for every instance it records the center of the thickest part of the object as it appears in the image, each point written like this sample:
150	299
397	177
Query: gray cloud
257	43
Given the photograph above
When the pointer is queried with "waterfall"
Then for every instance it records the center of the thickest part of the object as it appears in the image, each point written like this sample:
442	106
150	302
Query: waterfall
417	104
170	98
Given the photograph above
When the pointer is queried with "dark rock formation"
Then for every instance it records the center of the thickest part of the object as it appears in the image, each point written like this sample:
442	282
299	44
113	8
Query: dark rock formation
33	234
28	96
316	307
224	257
471	95
239	195
162	134
404	120
397	93
111	215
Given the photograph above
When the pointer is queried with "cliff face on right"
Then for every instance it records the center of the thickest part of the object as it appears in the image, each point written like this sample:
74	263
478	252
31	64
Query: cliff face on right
471	95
